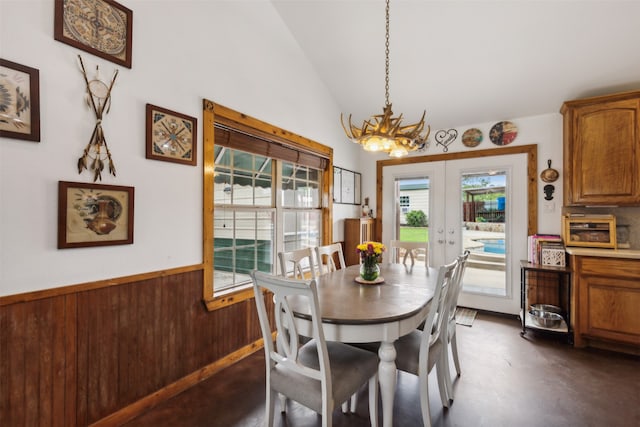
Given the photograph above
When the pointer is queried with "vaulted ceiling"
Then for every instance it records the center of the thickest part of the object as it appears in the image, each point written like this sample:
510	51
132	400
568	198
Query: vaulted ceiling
468	62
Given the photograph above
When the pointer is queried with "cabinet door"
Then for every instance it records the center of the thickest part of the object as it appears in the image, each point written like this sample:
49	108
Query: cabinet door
604	153
608	301
612	311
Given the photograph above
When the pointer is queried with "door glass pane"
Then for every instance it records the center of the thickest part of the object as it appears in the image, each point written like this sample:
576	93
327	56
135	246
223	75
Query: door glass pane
483	232
412	196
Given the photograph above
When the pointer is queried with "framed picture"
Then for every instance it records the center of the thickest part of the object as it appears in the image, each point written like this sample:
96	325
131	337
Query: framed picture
346	186
171	136
19	101
337	184
100	27
94	215
357	192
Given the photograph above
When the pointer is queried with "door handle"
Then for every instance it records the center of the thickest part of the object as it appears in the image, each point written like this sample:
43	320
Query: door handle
452	242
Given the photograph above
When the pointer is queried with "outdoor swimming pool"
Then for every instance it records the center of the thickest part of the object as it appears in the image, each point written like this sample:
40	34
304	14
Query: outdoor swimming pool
494	246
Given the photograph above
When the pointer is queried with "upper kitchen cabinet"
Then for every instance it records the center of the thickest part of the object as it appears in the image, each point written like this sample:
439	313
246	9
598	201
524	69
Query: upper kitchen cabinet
602	150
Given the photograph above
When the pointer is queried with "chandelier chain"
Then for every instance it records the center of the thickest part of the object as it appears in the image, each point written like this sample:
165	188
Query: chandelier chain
384	132
386	55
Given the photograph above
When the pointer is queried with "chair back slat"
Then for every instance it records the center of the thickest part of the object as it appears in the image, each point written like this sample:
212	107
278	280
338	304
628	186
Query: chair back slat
456	284
298	258
411	250
285	291
328	251
438	313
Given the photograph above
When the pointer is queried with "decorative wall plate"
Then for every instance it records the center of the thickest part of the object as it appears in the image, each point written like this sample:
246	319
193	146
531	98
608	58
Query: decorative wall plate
472	137
503	133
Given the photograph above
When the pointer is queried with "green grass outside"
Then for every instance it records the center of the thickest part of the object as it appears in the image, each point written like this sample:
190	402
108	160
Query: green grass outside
414	234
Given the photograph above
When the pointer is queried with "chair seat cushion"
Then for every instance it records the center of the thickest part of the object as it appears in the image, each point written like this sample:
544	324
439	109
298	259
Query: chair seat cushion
408	349
351	367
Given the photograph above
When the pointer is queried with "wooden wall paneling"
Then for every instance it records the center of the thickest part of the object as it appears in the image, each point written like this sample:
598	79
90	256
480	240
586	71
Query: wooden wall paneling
82	332
70	360
169	319
76	358
127	342
13	381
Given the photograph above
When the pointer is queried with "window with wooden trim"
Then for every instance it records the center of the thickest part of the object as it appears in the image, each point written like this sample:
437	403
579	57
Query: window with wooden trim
265	190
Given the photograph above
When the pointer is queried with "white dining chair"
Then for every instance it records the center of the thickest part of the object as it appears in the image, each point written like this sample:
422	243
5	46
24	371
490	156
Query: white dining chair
327	252
301	260
421	350
318	374
412	250
452	343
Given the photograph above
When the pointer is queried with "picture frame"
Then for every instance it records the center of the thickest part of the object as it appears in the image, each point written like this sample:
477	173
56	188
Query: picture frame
347	186
94	215
112	42
19	101
171	136
337	184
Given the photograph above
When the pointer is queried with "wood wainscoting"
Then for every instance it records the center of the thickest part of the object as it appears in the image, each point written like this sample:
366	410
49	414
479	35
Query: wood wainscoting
103	352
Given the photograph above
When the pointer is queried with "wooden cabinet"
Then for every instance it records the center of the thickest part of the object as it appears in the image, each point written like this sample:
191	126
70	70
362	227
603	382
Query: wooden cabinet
602	150
356	231
607	297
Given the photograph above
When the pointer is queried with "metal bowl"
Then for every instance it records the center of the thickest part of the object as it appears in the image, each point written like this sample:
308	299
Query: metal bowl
546	307
546	319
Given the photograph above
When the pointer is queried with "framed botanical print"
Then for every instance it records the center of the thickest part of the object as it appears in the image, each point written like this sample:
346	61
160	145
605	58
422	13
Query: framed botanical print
171	136
19	101
100	27
94	215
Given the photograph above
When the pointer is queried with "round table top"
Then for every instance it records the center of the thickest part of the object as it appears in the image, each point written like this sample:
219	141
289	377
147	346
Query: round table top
405	291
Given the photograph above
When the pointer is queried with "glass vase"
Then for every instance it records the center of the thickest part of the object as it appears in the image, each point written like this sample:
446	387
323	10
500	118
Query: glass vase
369	270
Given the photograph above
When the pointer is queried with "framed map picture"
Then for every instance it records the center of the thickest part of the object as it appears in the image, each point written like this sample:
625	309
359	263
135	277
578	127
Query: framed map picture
100	27
171	136
19	101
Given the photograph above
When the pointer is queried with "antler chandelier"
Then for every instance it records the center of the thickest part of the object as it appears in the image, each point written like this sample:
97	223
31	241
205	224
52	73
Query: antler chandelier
383	132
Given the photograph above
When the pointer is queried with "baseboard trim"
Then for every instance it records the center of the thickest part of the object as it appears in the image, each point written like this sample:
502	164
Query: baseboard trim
148	402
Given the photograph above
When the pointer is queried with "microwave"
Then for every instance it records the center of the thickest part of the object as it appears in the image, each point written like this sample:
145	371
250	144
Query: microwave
593	231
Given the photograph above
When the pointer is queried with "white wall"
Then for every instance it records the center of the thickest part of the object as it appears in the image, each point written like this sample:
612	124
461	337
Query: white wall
236	53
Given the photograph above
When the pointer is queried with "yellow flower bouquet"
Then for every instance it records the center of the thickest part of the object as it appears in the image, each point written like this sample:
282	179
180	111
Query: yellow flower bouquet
370	253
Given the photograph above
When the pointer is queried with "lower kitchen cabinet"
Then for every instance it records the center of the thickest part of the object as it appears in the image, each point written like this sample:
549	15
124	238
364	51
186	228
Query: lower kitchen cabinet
607	301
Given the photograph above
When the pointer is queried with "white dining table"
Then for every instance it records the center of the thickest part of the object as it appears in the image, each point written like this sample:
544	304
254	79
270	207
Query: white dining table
359	313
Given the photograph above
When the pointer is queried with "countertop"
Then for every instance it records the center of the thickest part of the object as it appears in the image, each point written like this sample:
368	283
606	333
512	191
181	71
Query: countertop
599	252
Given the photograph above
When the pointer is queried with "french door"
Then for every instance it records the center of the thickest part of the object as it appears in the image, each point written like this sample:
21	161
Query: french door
478	204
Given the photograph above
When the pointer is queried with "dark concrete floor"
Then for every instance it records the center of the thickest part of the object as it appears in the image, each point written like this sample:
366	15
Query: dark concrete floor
507	380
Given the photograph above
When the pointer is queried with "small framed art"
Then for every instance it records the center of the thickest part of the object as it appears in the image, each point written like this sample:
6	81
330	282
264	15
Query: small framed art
94	215
100	27
171	136
19	101
346	186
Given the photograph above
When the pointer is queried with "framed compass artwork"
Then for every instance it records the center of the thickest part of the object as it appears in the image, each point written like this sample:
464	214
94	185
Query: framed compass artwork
100	27
171	136
19	101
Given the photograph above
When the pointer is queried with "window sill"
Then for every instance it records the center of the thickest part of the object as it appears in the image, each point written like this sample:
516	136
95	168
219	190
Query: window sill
229	297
